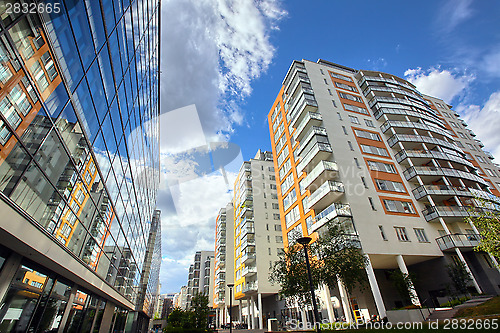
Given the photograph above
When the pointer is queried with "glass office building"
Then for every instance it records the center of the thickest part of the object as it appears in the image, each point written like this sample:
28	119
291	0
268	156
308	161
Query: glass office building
79	161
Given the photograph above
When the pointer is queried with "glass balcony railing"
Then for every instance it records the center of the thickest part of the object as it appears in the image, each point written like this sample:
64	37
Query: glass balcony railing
319	151
330	189
410	124
304	103
421	139
403	101
250	287
331	212
389	109
435	171
323	168
435	212
311	134
413	153
248	257
425	190
461	241
309	118
248	270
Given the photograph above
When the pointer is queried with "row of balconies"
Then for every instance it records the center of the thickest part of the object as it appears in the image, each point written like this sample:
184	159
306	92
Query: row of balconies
424	190
409	124
451	212
378	99
462	241
413	171
383	79
393	90
390	109
421	139
405	153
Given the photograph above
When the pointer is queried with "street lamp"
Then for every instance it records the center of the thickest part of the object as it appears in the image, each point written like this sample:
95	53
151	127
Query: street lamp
230	286
304	241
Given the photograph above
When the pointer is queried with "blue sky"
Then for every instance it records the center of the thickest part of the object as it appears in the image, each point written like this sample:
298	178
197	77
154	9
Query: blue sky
223	63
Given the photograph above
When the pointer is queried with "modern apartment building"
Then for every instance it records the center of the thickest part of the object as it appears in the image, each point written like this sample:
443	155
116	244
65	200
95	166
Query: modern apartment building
79	163
257	239
368	150
201	276
224	265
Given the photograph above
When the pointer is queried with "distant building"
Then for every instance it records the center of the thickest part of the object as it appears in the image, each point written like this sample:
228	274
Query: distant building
200	279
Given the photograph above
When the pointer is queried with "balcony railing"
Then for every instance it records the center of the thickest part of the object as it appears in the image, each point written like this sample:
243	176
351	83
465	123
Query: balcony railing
403	101
303	103
388	109
436	171
409	124
321	150
328	214
246	241
250	287
248	257
248	270
310	117
435	212
421	139
315	130
330	190
425	190
249	229
461	241
322	170
383	79
413	153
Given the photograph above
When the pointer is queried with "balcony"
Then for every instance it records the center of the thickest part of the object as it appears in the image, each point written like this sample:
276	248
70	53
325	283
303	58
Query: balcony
310	119
325	170
434	173
312	135
248	271
378	99
327	193
391	109
328	214
451	213
424	190
248	257
250	287
247	241
248	229
414	125
490	155
411	94
320	151
430	154
466	242
306	103
421	139
246	211
383	79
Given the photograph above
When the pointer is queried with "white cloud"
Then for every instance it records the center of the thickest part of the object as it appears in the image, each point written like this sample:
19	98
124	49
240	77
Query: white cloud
439	83
453	13
485	122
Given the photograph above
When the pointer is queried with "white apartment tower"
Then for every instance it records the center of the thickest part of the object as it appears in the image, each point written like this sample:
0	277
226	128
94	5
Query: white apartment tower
224	265
366	147
201	276
257	239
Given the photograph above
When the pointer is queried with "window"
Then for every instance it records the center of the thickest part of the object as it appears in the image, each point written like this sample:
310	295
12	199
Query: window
269	250
357	163
339	115
279	239
490	172
321	71
471	147
268	239
286	167
271	169
326	82
292	216
382	233
277	227
274	196
462	135
345	86
453	124
287	183
289	199
381	166
401	233
388	185
369	123
459	144
370	200
355	108
353	119
272	186
275	205
334	104
364	182
330	92
350	97
399	206
276	216
421	236
480	159
345	131
349	143
340	76
367	135
374	150
271	177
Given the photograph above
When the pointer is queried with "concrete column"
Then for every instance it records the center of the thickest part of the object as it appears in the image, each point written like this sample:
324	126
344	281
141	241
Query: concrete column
217	317
8	272
327	297
345	302
107	317
377	296
259	301
240	308
462	259
249	323
411	288
67	310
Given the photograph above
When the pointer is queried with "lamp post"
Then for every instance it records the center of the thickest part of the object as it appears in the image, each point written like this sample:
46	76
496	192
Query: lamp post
304	241
230	286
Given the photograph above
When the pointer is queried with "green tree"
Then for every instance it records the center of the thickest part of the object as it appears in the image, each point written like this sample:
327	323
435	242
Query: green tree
175	318
487	221
403	283
200	310
335	256
459	277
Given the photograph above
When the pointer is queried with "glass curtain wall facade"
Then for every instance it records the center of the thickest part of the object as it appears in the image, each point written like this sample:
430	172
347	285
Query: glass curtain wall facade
79	155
